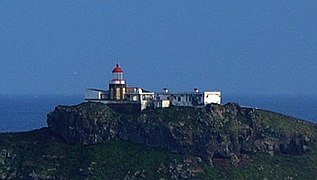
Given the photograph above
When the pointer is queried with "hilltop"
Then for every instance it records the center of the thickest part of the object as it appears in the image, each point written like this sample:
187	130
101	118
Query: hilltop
91	140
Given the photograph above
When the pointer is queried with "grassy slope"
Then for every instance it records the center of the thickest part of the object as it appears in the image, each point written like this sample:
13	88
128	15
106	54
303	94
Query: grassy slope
262	166
48	155
287	124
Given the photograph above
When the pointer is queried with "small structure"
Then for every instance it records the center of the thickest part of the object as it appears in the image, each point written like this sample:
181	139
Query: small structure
121	96
140	95
96	94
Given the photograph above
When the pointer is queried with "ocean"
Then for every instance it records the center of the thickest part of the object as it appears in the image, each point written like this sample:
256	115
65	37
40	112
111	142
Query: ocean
25	113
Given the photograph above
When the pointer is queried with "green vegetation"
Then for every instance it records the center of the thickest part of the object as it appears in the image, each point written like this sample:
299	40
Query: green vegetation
287	124
261	166
44	154
47	155
173	115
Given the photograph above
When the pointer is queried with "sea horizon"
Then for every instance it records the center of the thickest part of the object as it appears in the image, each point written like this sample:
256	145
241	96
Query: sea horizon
28	112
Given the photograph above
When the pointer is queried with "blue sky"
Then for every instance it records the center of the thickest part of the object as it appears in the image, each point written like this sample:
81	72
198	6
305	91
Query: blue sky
238	47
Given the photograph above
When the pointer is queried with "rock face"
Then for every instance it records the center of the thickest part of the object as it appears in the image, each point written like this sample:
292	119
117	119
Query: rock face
215	131
88	123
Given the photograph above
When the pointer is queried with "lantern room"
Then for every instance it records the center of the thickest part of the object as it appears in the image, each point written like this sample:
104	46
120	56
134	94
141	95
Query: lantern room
117	73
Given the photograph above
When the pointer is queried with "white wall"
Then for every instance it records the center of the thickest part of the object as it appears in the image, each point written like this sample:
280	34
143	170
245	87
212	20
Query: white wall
94	94
212	97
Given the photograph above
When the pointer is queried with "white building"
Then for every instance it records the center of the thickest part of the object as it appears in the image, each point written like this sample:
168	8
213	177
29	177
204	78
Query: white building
119	93
96	94
194	98
212	97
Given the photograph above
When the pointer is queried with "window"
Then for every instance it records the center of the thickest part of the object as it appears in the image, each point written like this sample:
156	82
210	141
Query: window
111	94
118	94
123	92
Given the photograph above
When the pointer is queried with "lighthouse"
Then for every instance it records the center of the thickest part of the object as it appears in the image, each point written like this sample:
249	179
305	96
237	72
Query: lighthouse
120	97
117	86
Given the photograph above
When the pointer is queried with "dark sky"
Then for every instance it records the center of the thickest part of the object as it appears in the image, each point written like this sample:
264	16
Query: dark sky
238	47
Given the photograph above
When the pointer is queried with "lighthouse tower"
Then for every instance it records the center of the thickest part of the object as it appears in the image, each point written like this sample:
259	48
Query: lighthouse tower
117	86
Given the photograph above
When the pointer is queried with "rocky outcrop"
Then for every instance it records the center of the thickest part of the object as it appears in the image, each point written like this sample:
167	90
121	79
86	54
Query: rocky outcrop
214	131
88	123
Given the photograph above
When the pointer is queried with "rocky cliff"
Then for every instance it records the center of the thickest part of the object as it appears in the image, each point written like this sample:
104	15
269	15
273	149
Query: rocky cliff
215	131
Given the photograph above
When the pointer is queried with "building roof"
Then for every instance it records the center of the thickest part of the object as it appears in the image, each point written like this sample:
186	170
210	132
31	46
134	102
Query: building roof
117	69
98	90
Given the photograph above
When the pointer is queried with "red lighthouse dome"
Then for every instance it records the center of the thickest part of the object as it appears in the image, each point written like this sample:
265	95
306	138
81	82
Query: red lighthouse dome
117	69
